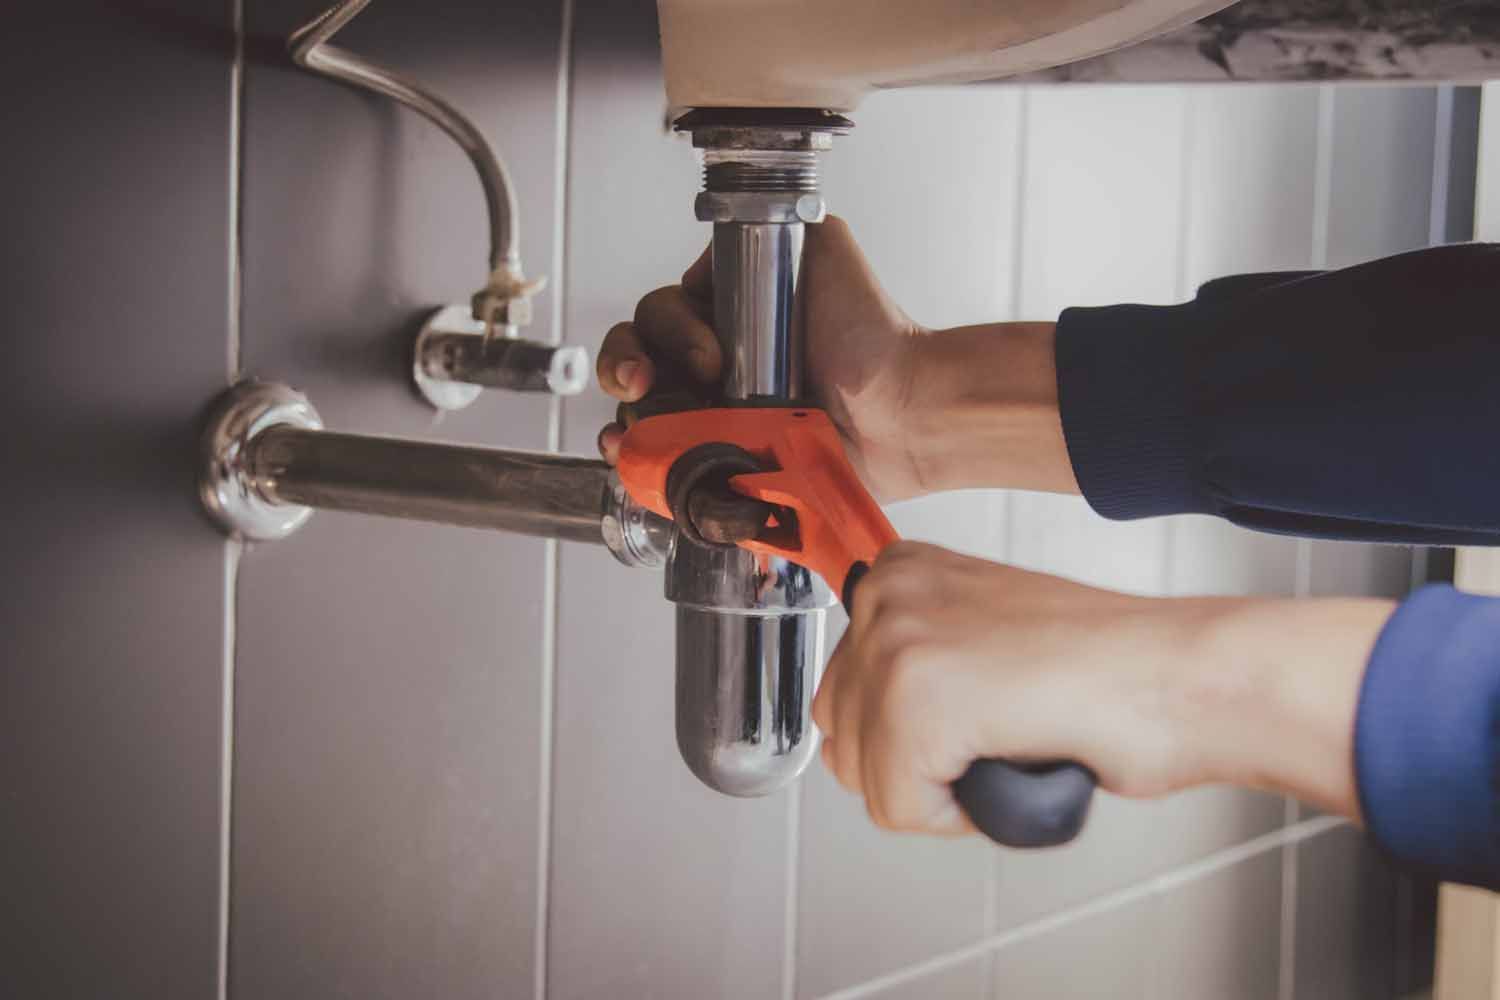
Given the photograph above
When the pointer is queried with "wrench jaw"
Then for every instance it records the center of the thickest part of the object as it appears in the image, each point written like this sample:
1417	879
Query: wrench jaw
774	481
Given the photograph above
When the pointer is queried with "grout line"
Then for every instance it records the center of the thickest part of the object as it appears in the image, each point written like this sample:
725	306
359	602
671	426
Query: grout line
1185	198
233	549
1286	985
1442	155
1018	211
1322	178
1302	578
234	359
1404	930
1302	570
547	708
1210	865
1294	834
1170	526
1318	253
1004	527
551	551
1484	218
1421	557
790	898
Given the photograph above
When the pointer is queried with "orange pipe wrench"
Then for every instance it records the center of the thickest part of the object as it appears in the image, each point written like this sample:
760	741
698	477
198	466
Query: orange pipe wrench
829	522
793	459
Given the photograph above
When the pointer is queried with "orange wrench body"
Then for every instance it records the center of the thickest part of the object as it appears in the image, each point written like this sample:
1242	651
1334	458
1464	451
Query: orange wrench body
830	524
836	524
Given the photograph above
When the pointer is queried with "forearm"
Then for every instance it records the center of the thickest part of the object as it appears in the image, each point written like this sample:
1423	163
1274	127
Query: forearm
1268	693
982	409
1352	404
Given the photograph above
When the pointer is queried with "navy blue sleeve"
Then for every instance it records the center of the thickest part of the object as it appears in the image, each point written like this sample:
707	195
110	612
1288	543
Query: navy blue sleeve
1427	736
1359	404
1362	403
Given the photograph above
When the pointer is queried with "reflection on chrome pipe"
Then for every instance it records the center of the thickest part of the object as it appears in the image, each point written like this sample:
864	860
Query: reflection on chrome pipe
267	463
749	652
554	496
745	684
756	265
750	628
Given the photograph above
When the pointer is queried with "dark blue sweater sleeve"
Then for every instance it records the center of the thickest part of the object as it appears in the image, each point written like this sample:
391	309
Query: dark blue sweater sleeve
1358	404
1426	743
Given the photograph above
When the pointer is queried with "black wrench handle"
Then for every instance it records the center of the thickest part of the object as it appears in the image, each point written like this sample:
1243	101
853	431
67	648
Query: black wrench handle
1041	804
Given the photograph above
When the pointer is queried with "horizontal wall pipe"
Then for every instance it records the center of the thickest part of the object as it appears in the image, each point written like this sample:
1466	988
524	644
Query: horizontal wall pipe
552	496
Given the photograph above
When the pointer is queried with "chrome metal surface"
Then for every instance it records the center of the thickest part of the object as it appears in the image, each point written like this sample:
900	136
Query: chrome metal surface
731	579
554	496
759	206
744	696
442	392
225	481
454	358
755	272
637	537
750	628
310	49
267	463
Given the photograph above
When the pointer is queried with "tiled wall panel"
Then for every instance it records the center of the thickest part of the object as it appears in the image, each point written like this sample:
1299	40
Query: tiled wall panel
1081	243
1345	920
1380	185
389	675
114	191
660	887
1217	936
1251	205
958	982
942	245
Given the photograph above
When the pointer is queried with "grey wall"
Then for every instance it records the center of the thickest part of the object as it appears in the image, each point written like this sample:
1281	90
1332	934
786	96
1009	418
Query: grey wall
384	759
114	206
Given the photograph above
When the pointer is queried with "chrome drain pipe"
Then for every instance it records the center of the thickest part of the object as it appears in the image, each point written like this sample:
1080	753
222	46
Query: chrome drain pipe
268	463
749	627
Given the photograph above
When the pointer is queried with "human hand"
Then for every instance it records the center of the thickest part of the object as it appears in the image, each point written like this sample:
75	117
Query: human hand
949	659
859	363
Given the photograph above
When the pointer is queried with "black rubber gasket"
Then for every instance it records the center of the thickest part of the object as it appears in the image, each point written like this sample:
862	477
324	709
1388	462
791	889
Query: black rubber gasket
812	119
706	466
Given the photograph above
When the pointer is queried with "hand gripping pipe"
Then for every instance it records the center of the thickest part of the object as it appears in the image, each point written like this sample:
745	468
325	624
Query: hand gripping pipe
749	620
750	627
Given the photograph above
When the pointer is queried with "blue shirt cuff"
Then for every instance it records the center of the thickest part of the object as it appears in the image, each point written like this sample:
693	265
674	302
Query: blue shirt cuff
1427	736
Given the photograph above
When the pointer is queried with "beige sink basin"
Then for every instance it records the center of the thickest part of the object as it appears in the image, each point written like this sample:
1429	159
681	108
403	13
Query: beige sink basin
830	53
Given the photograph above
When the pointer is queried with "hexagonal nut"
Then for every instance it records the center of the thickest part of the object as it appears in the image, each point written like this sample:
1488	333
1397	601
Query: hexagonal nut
758	206
710	206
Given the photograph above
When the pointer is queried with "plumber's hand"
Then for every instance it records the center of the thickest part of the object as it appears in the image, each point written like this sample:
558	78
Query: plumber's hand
920	410
949	658
859	347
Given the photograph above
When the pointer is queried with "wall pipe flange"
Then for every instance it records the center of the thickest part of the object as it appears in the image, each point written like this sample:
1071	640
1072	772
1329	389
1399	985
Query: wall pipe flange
443	393
225	482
